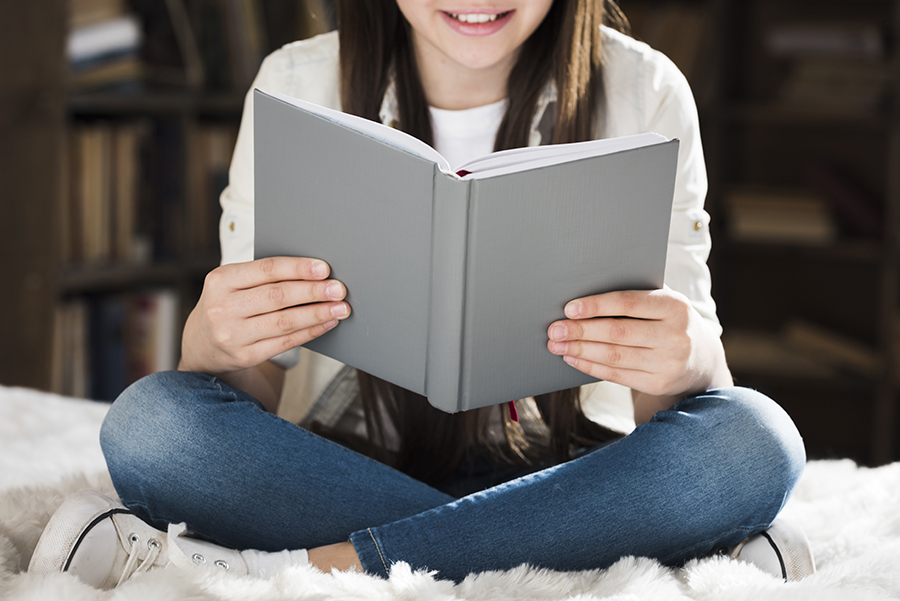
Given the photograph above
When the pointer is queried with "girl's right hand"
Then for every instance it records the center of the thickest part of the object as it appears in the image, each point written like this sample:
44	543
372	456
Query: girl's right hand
250	312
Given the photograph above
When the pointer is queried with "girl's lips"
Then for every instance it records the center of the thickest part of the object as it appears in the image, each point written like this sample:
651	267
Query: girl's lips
486	28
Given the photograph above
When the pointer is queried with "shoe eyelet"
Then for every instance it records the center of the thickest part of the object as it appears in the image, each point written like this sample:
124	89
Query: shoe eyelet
198	559
153	543
134	538
222	564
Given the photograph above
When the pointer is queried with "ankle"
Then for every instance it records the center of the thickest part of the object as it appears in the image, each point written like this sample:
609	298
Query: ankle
264	563
339	557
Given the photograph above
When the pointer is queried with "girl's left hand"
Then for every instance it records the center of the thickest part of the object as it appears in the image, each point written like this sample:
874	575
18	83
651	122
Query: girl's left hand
652	341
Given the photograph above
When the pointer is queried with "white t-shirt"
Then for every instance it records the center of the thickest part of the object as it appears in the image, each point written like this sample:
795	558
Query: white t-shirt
461	136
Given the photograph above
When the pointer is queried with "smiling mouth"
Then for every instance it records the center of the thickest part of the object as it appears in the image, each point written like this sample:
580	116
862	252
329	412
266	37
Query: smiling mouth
477	18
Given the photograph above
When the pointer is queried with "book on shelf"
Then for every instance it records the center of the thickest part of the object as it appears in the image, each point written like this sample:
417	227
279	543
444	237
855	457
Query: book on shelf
104	183
69	359
768	353
152	333
106	344
829	39
93	192
832	348
103	343
125	198
836	86
800	348
774	215
210	147
830	66
162	206
454	274
104	42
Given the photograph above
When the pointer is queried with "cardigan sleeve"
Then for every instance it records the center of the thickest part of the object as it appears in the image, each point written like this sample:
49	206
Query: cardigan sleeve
671	111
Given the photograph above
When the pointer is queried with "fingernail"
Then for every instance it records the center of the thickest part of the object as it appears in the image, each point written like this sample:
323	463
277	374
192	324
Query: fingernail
558	348
331	324
557	332
570	360
573	309
340	310
334	290
320	269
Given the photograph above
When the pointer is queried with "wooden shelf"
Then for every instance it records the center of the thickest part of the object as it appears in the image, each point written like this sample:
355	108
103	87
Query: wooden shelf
848	288
863	251
106	278
787	116
156	102
847	381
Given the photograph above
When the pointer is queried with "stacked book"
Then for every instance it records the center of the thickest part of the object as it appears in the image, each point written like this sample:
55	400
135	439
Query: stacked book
125	200
801	348
104	43
773	215
838	67
103	343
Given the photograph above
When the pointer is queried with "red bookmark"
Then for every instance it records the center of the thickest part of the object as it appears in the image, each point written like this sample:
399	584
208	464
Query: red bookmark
463	173
513	414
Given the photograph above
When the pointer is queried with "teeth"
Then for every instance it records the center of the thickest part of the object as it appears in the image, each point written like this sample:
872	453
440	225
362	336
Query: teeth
474	18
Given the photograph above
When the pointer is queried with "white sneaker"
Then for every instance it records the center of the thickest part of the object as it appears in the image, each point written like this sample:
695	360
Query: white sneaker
782	550
104	544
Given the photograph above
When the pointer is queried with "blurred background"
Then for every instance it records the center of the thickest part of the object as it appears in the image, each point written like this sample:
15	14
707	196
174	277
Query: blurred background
118	119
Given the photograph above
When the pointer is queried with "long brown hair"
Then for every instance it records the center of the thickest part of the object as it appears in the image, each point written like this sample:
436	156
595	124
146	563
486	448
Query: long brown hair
376	45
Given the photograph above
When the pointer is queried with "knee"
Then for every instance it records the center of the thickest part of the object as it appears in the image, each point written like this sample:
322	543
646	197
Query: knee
146	427
759	446
141	411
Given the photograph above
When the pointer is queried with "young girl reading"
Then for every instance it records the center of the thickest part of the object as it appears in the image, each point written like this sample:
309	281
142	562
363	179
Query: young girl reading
378	476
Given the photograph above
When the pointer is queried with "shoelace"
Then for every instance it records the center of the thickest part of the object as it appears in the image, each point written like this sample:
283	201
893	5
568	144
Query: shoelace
131	566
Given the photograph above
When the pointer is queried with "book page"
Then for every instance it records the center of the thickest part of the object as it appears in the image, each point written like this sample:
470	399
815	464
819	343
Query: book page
490	165
533	157
378	131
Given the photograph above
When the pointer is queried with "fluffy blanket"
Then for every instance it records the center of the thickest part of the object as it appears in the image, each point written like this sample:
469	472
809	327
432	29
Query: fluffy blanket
48	448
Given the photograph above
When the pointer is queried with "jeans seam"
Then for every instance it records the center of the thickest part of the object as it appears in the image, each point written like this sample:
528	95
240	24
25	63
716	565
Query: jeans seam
377	548
218	384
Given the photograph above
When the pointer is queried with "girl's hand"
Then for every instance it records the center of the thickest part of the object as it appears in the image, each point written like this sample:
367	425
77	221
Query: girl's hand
653	342
250	312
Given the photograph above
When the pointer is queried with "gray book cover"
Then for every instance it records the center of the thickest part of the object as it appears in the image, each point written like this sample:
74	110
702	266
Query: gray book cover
454	282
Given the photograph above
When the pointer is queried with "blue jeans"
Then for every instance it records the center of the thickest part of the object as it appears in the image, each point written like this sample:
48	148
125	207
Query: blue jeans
185	447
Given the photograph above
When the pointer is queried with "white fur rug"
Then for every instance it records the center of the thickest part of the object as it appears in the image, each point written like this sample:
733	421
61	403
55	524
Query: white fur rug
48	448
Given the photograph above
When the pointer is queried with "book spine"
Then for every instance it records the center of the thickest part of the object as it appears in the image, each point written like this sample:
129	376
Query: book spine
450	225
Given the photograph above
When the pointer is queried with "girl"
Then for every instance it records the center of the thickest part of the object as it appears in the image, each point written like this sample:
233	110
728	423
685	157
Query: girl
707	466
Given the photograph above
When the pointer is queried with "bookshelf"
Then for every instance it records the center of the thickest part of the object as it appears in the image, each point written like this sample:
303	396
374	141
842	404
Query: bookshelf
800	115
760	130
141	101
806	102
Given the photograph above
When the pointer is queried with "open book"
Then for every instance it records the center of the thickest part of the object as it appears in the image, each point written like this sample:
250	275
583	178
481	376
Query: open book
454	277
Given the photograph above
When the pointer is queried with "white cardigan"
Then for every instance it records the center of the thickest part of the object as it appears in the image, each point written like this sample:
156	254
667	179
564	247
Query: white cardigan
644	92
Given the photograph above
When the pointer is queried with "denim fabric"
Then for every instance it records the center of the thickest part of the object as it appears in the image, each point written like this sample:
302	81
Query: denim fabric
184	447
